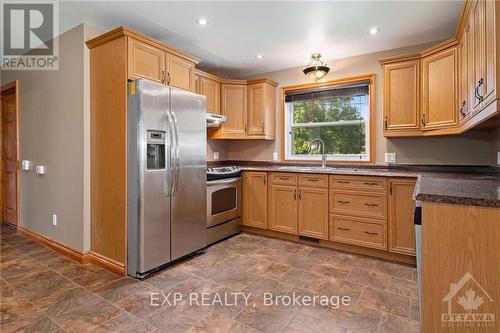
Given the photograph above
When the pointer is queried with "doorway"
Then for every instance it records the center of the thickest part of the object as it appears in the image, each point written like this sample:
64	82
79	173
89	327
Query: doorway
9	168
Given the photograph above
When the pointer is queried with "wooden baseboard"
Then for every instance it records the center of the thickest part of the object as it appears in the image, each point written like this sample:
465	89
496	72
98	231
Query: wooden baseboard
380	254
59	247
107	263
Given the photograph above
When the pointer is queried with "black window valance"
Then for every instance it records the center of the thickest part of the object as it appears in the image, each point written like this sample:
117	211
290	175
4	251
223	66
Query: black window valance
359	88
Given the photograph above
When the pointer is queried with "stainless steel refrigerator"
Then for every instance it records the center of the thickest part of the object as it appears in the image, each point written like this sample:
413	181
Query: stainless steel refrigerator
167	217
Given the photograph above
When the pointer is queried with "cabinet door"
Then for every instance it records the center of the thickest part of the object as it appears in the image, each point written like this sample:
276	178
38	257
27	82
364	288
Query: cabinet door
283	208
255	199
489	85
478	22
256	105
402	96
401	209
211	90
234	107
313	212
463	78
145	61
180	73
439	90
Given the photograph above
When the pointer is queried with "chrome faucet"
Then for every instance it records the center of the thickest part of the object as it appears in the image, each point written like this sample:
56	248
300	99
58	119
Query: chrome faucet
314	146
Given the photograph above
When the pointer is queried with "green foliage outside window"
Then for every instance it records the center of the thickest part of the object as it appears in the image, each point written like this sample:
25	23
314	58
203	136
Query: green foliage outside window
339	139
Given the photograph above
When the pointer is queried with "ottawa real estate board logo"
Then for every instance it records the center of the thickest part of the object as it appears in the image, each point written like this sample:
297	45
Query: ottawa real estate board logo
28	31
468	305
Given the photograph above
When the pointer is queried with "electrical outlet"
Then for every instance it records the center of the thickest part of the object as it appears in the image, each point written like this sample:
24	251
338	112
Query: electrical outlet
498	157
275	156
54	220
216	155
390	157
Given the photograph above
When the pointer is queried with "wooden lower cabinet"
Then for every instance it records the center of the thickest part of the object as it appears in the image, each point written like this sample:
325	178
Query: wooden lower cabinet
401	207
255	199
313	212
283	208
358	231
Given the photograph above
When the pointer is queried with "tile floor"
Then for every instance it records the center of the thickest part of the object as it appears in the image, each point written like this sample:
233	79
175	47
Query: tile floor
42	291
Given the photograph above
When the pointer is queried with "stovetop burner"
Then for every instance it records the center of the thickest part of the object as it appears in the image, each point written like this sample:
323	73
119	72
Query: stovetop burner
223	172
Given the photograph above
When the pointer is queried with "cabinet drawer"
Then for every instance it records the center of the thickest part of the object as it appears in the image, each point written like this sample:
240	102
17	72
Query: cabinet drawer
373	205
310	180
358	183
358	231
283	178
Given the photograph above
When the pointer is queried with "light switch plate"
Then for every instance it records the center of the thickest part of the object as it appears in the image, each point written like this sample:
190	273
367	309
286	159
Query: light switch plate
498	157
216	155
26	165
390	157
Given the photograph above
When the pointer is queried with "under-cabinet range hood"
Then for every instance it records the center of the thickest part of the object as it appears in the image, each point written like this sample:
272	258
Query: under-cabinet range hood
214	119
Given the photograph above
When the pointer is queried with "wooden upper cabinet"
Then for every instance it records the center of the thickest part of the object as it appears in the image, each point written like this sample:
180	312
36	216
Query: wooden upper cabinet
465	65
255	199
211	90
401	208
478	25
180	73
402	96
145	61
313	212
488	90
439	90
234	107
261	112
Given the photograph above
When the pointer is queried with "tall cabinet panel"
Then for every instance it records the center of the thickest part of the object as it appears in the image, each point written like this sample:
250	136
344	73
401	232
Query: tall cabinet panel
255	199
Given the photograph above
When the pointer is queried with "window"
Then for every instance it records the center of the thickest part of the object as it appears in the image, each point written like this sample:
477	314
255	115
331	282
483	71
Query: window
338	114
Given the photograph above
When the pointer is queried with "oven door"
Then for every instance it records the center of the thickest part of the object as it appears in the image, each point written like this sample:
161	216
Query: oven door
223	200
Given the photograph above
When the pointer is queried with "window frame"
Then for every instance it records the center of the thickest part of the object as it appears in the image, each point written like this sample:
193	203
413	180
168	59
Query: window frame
285	126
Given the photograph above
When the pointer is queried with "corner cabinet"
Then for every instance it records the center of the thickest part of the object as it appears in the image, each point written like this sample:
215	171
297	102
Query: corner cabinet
250	110
255	199
439	90
401	96
458	80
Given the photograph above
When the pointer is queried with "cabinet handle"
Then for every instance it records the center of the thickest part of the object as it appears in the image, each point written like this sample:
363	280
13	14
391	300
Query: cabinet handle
295	195
264	180
371	233
343	229
263	127
163	77
300	194
371	204
385	122
476	91
168	78
343	182
284	178
312	179
342	201
371	183
461	110
246	127
423	119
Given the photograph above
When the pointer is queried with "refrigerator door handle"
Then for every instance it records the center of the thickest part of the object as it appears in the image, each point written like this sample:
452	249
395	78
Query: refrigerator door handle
175	179
168	155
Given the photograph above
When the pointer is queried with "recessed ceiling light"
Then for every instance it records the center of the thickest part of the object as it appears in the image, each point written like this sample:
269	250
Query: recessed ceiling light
373	31
259	56
202	21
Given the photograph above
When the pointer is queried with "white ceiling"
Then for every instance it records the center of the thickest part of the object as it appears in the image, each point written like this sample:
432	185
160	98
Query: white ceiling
286	33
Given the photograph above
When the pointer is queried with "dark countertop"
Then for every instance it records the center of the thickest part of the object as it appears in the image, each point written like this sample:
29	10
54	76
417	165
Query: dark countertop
462	185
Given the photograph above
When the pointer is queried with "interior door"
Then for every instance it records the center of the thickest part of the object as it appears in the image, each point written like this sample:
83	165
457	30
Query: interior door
9	156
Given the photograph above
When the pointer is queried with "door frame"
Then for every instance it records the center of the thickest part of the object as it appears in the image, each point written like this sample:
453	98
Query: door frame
5	89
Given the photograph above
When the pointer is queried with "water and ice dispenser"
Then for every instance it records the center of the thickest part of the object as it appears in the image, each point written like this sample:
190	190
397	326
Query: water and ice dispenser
155	150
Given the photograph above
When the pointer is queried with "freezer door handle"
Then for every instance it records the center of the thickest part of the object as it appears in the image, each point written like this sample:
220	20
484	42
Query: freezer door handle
168	153
175	179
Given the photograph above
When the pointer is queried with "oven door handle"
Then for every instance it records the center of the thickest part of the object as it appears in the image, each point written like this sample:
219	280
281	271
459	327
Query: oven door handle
223	181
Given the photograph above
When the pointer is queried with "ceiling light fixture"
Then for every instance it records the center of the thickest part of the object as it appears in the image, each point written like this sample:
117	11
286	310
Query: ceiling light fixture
373	31
316	69
202	21
259	56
